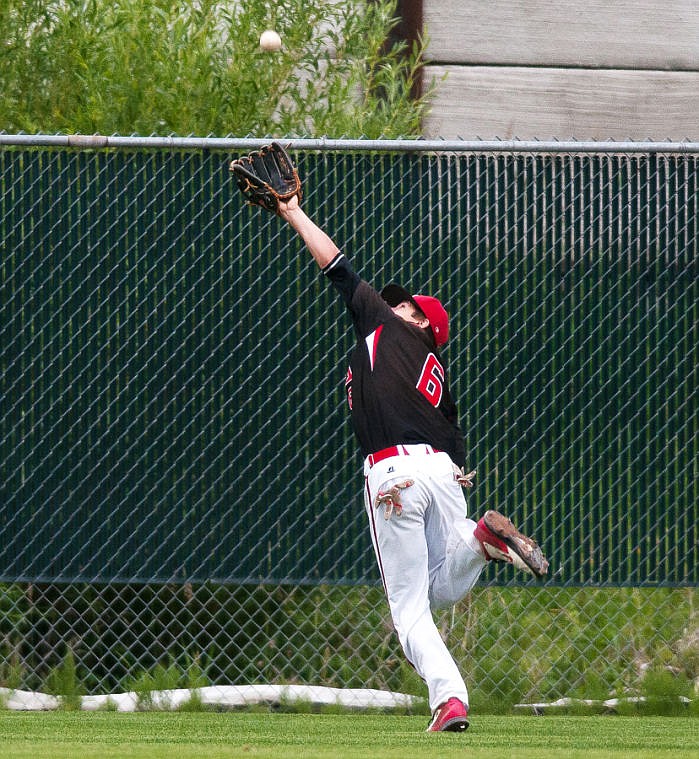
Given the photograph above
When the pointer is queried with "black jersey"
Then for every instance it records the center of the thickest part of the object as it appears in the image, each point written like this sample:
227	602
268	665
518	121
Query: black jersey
396	382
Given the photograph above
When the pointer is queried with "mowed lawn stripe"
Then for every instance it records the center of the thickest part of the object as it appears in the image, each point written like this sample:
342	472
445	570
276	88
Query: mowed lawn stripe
88	735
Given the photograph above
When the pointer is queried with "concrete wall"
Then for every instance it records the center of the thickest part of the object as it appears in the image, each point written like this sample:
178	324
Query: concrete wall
585	70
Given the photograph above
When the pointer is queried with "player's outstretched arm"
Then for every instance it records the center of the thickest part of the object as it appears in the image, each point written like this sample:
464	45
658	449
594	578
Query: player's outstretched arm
321	247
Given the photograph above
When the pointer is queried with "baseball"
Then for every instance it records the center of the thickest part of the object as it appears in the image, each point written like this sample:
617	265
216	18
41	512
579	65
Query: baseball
270	41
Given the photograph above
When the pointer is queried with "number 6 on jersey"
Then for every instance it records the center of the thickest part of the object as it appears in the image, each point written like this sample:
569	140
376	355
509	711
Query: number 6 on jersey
431	382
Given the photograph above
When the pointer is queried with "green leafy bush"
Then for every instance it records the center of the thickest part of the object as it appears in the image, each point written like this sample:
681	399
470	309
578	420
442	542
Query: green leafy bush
162	67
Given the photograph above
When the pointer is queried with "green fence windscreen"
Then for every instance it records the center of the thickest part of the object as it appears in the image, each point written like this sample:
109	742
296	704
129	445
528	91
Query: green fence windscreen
172	362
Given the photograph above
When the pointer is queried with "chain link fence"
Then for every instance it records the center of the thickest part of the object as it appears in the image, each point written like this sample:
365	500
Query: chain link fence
180	494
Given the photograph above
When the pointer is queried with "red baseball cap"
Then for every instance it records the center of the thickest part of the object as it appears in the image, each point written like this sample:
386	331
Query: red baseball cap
431	307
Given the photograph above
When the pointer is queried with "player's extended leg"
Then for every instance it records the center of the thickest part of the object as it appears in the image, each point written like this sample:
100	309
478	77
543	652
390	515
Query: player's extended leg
462	564
402	555
456	557
460	547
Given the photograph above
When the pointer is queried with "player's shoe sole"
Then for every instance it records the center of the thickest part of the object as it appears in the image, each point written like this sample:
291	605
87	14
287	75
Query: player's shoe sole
502	541
450	717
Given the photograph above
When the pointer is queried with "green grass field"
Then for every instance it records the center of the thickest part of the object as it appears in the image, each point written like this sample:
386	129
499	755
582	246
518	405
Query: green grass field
106	735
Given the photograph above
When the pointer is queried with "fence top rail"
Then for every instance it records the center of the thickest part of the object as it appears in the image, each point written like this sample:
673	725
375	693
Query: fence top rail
95	141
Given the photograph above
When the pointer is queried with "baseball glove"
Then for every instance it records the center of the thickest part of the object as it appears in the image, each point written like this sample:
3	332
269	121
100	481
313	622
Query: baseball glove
267	177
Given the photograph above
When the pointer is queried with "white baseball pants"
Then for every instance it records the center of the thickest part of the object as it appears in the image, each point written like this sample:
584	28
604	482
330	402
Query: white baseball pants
428	557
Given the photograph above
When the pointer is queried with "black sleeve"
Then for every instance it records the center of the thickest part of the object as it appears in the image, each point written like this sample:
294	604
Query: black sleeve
342	275
367	307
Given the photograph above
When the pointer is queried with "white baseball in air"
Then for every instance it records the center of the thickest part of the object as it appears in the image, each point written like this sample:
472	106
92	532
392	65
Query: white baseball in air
270	41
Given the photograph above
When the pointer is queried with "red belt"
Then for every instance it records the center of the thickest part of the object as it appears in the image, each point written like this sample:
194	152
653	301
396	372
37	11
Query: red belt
396	450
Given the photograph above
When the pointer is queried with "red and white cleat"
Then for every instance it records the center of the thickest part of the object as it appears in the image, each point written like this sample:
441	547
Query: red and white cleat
450	717
502	541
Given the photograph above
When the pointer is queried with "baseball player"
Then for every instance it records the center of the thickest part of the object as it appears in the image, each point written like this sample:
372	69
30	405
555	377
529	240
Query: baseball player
429	554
